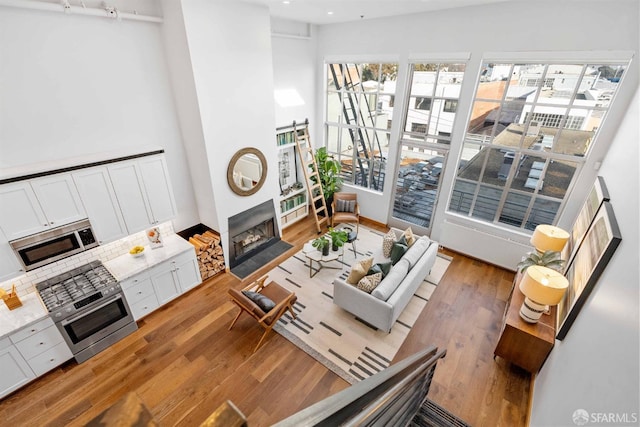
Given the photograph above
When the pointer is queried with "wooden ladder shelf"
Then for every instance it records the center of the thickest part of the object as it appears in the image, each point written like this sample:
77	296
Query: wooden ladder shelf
311	175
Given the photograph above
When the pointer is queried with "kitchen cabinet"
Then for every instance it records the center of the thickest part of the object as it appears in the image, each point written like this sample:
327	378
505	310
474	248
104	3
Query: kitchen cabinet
161	283
100	201
143	190
42	346
9	265
15	370
28	207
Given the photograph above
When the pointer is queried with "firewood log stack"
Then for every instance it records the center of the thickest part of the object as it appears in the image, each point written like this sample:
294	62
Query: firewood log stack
209	253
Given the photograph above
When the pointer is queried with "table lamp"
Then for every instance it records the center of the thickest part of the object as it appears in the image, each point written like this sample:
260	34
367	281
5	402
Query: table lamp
549	238
541	286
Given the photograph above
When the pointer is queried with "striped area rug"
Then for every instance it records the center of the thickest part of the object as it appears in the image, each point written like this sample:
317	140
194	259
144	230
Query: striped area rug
343	343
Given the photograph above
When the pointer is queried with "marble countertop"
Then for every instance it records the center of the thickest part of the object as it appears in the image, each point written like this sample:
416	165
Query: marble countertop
31	311
126	265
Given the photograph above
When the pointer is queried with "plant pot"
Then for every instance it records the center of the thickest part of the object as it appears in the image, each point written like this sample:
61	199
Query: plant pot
325	250
334	248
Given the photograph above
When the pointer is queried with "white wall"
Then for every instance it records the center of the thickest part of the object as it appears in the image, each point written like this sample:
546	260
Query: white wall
230	50
73	85
541	26
595	367
294	68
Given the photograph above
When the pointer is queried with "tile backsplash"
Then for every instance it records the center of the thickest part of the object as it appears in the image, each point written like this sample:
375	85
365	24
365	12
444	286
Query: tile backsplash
25	284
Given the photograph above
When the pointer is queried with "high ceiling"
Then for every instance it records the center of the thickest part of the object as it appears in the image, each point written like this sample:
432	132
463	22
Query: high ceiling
333	11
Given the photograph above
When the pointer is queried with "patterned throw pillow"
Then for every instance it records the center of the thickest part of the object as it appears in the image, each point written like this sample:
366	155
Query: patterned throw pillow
359	270
408	234
387	243
369	283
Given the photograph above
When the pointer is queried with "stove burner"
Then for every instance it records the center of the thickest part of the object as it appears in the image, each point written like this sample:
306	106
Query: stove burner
74	285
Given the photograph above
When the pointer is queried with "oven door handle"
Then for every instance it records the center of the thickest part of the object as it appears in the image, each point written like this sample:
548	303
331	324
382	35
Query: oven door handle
65	322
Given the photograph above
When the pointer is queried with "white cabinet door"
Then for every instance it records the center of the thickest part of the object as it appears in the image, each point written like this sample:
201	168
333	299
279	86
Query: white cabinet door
187	271
59	199
130	192
101	203
9	265
20	212
158	187
15	370
164	284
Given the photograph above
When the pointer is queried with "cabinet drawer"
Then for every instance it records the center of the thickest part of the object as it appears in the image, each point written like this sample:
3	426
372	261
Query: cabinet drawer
139	291
55	356
39	342
5	343
144	307
133	281
30	330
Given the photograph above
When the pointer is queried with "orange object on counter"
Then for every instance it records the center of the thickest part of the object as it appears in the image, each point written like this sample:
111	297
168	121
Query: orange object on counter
11	299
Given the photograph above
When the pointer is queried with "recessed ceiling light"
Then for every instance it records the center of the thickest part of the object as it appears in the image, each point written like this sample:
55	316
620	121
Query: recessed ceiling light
286	2
329	13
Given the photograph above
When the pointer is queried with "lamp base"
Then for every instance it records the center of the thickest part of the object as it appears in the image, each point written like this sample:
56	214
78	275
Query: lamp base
531	311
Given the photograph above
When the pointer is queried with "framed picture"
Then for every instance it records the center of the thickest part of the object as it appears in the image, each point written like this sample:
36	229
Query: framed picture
598	245
597	196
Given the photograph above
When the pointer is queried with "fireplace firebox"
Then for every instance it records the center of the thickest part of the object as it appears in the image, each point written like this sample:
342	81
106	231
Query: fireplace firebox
251	232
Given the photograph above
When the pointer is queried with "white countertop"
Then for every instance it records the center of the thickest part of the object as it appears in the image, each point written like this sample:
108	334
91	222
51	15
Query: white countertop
126	265
31	311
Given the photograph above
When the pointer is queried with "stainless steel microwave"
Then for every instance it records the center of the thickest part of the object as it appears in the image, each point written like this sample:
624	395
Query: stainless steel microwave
52	245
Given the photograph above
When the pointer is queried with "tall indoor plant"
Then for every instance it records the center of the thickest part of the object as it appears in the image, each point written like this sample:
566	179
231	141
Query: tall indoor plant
329	172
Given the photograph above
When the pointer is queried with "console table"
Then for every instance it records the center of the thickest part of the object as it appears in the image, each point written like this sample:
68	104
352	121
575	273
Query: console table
525	344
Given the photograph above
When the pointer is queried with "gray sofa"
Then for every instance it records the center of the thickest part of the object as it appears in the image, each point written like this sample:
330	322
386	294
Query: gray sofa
384	305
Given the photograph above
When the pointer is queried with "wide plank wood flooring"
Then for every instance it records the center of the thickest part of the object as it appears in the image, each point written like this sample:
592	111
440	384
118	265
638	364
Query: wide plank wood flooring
183	362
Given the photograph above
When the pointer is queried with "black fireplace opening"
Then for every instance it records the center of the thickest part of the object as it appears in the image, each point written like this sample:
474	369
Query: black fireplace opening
251	232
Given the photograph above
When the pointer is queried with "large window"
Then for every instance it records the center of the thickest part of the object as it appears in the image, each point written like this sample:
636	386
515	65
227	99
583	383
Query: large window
358	119
530	130
431	111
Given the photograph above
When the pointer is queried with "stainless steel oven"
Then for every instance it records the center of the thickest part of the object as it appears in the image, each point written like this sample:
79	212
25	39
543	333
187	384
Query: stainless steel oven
89	308
52	245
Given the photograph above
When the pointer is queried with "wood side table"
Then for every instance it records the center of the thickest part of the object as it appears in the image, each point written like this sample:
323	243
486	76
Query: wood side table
525	344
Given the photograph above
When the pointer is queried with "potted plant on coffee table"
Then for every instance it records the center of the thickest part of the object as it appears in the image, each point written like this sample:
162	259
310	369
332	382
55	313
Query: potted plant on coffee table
321	244
338	238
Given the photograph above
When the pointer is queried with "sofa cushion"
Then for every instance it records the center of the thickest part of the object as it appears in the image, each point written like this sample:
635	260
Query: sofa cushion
380	267
359	270
399	248
387	243
409	237
391	282
369	283
416	251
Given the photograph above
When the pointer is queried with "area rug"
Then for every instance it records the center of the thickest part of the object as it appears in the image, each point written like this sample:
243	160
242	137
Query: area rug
343	343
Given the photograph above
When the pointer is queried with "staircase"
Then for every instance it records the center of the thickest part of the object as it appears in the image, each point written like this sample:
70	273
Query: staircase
311	175
432	415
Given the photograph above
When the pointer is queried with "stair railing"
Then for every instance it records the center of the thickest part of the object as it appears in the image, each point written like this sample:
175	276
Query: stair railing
388	398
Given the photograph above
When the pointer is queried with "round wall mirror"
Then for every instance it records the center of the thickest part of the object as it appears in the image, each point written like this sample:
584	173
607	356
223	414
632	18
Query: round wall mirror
247	171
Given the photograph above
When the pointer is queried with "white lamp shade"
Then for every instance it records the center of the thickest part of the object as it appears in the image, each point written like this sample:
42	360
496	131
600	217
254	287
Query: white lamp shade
543	285
549	238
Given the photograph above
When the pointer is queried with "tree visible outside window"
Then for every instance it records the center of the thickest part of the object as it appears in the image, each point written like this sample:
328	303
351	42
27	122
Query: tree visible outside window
527	138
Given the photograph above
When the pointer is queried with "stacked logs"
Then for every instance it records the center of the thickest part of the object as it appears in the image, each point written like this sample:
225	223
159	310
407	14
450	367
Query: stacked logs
209	253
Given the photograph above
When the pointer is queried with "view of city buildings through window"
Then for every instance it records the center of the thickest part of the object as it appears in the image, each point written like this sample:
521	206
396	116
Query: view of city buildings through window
358	120
530	130
431	109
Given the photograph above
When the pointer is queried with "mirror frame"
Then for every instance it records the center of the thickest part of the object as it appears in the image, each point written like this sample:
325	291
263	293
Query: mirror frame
232	164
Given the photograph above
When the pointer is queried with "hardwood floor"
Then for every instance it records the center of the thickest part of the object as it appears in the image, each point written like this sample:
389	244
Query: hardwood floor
183	362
